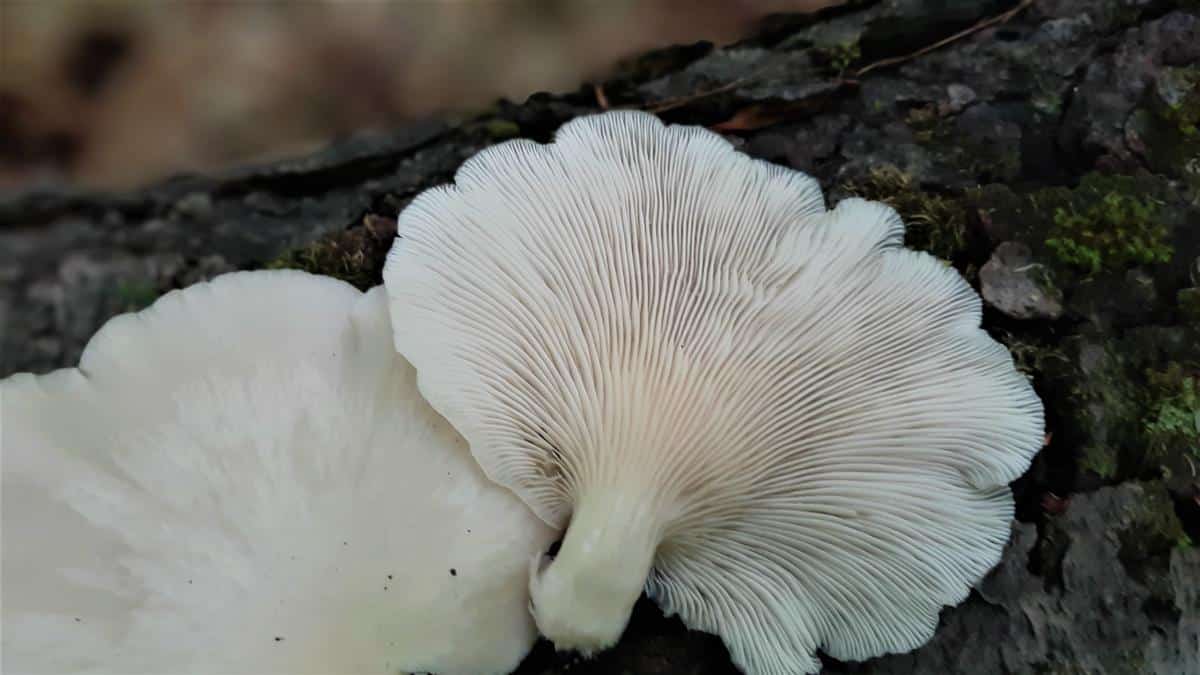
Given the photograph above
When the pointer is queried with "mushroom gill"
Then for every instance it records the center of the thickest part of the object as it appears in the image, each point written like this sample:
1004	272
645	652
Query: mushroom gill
777	421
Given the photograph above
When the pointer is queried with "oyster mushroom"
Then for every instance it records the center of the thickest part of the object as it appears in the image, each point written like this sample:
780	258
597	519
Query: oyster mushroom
243	479
780	423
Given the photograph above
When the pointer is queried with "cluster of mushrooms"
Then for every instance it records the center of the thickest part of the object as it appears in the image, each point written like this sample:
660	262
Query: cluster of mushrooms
772	418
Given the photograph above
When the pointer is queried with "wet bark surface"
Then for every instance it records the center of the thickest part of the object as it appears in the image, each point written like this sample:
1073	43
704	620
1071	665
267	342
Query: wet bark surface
1047	149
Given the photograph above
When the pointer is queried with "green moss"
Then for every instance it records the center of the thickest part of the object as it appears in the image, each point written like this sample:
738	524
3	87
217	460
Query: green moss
355	255
498	129
1047	102
839	56
1108	224
1047	94
1172	420
1149	531
833	45
1166	129
135	295
1032	358
1180	91
331	259
1134	412
934	223
1104	409
1105	224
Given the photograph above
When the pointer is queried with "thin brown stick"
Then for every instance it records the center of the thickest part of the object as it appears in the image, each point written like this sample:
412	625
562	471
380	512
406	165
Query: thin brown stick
672	103
985	23
601	97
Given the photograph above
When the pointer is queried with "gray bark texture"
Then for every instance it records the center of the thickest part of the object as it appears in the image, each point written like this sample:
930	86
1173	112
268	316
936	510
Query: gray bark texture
1050	151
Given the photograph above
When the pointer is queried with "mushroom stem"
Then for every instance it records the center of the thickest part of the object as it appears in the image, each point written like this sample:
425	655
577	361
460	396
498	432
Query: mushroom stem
583	599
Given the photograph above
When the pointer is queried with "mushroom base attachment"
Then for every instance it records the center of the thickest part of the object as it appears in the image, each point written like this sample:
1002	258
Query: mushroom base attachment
583	599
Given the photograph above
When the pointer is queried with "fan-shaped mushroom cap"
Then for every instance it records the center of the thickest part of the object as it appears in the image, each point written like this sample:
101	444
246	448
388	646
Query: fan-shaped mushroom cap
243	479
785	426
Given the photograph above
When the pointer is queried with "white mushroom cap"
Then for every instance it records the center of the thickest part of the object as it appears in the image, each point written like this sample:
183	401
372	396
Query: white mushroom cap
243	479
785	426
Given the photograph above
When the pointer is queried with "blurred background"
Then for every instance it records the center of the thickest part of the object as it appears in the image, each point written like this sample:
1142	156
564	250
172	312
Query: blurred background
113	94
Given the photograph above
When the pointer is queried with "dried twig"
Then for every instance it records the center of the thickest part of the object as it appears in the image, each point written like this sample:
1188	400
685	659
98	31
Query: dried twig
673	103
601	97
986	23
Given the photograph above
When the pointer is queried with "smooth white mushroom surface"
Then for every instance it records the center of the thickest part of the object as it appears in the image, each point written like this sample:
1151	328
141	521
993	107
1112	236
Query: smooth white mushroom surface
783	425
243	479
